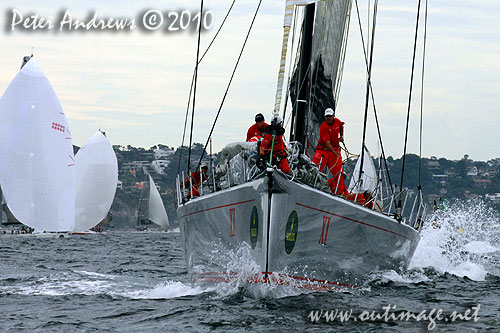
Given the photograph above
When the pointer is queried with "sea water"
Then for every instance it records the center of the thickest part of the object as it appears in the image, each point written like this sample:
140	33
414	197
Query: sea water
138	282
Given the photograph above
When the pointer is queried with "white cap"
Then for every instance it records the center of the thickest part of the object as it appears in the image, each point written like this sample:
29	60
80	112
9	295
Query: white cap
329	112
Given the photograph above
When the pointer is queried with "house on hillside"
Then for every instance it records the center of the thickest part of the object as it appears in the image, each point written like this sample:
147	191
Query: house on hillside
433	164
482	183
472	171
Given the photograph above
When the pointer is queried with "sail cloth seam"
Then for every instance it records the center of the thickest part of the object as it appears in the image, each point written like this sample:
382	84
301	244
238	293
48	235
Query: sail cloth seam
229	83
192	82
410	95
194	93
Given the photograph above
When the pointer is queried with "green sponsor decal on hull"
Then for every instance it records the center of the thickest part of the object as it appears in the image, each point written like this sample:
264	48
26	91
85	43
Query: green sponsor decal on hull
254	227
291	230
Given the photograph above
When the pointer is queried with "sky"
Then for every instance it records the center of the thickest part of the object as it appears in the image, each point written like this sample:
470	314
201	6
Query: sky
135	85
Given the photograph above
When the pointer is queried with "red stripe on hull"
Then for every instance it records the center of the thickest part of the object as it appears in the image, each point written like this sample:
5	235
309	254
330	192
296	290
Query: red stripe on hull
205	210
274	279
352	220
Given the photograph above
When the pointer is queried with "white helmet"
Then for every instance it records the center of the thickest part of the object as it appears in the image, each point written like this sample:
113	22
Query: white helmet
275	120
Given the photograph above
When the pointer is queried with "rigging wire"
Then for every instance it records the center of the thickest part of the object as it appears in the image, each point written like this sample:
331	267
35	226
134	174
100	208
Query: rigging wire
194	91
229	83
422	99
373	103
367	100
409	97
192	82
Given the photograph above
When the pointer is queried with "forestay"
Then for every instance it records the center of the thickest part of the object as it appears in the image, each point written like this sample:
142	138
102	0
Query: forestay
37	168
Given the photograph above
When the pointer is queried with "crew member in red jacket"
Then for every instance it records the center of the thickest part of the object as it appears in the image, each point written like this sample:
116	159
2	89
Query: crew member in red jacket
279	148
256	131
331	133
197	178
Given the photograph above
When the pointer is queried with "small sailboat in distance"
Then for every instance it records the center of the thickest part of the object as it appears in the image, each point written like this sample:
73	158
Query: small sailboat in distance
151	208
37	166
96	179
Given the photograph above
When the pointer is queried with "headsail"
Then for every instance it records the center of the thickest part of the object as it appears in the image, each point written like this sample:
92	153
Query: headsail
329	41
157	213
369	179
96	179
37	171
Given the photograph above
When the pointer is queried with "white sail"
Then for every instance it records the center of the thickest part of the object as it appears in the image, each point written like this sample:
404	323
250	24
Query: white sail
368	179
96	179
157	213
37	171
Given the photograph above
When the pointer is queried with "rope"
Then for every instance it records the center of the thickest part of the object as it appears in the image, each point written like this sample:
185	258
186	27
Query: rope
192	82
422	100
410	94
194	91
229	83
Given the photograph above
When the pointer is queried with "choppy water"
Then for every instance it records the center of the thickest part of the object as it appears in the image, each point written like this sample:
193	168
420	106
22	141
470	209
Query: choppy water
138	282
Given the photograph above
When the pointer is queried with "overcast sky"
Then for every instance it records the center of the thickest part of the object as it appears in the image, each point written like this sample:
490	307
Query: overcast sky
135	85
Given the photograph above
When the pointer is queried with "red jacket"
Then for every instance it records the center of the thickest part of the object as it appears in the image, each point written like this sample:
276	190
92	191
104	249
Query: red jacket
255	131
279	145
330	133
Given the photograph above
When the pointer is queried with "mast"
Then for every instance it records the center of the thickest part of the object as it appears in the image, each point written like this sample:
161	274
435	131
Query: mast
301	105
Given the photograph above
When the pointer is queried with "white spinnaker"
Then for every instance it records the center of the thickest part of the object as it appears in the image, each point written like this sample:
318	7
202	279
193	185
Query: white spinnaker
369	177
157	213
96	179
37	171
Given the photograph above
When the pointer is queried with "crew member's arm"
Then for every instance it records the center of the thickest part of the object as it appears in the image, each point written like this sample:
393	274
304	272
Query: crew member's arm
341	132
325	136
263	146
329	146
249	135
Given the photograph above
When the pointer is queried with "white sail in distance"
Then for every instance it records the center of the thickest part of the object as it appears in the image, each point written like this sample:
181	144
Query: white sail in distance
156	209
96	179
369	178
37	168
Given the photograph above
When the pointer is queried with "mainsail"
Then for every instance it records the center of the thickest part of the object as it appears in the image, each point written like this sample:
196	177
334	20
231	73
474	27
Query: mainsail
37	168
331	23
96	179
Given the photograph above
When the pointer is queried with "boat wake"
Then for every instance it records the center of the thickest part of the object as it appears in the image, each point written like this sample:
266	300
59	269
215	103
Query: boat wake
462	240
96	284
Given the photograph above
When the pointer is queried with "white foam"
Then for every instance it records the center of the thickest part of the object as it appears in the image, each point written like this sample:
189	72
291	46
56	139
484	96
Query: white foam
453	238
167	290
480	247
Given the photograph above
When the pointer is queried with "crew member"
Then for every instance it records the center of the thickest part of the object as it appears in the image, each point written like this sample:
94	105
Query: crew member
197	178
256	131
275	130
327	152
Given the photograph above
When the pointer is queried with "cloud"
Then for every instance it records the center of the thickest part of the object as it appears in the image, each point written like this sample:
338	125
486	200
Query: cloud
136	85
